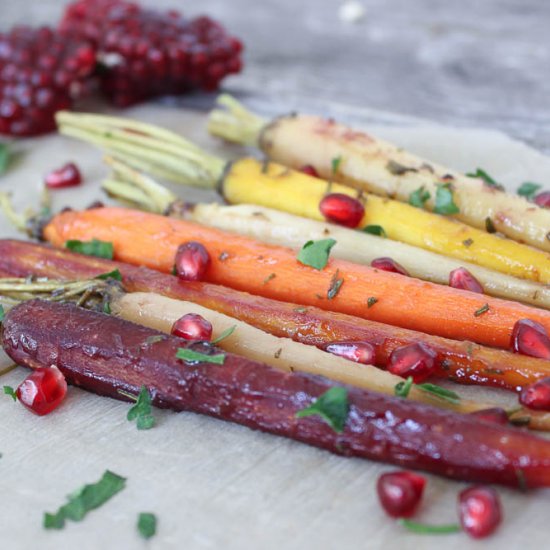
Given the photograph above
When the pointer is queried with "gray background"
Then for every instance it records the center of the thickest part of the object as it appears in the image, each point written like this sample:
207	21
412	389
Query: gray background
472	63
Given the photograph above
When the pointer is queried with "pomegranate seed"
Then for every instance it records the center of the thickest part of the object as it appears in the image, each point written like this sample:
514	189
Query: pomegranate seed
463	279
309	170
387	264
66	176
479	511
530	338
416	360
192	327
400	492
342	209
537	395
543	199
360	352
43	390
496	415
192	260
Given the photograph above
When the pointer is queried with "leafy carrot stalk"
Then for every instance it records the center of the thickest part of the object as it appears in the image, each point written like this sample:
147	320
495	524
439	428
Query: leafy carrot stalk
197	377
465	362
239	262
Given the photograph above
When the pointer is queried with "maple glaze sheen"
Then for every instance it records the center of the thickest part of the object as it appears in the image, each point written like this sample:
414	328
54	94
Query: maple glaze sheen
465	362
105	354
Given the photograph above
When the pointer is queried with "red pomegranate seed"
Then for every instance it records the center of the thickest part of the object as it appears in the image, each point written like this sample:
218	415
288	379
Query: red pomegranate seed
360	352
479	511
309	170
387	264
530	338
43	390
543	199
463	279
192	327
496	415
400	492
342	209
416	360
192	260
66	176
537	395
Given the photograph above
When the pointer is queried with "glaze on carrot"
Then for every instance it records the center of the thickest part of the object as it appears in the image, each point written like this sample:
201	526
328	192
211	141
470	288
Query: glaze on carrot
242	263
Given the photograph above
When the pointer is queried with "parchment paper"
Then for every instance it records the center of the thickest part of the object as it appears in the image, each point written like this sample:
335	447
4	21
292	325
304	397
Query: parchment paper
213	484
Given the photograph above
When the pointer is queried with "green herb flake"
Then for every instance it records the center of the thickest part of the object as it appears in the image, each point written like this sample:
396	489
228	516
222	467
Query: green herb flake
332	406
402	389
142	411
107	308
225	334
444	200
4	157
335	164
398	169
100	249
147	525
371	300
335	285
190	356
443	393
115	274
487	179
468	242
316	253
483	309
377	230
85	499
269	278
8	390
528	189
423	529
419	197
2	313
489	225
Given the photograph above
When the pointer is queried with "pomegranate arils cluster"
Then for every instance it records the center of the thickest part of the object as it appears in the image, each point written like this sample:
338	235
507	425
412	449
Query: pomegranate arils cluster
145	53
41	72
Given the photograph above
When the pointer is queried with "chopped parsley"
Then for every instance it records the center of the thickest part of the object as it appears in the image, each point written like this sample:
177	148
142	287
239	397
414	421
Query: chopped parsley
142	411
335	284
487	179
443	393
528	189
419	197
335	164
371	300
147	525
424	529
468	242
315	253
84	500
100	249
8	390
332	406
377	230
398	169
225	334
483	309
268	278
444	200
2	313
402	389
4	157
115	274
190	356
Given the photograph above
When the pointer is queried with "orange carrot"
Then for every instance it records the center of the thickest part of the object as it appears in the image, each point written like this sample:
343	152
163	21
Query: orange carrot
239	262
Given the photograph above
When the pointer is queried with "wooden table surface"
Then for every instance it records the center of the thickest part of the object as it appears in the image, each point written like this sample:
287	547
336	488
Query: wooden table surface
465	63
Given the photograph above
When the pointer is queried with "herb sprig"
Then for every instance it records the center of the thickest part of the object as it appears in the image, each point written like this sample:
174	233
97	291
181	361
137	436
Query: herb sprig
95	247
316	253
332	406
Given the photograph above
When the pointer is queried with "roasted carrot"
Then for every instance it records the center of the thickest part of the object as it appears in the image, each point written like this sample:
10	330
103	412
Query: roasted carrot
464	362
366	425
274	272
